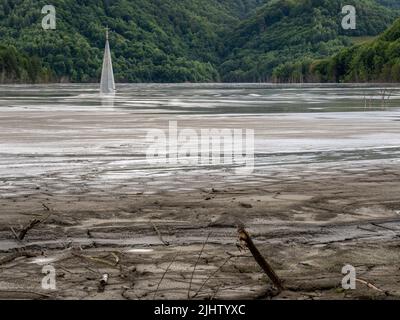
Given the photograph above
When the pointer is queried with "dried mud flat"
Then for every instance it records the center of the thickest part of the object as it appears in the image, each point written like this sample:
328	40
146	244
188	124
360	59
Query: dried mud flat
331	199
179	245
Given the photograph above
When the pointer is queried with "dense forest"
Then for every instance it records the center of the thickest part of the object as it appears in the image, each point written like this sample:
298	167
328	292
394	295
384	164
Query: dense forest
19	67
152	40
390	3
283	36
373	61
184	41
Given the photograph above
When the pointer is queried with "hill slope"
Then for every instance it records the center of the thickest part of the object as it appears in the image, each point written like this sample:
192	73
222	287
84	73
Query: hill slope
374	61
390	3
178	41
19	67
283	34
152	40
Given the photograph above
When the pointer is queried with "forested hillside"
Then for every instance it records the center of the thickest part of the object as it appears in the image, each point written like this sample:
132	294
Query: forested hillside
275	43
390	3
377	61
179	40
18	67
152	40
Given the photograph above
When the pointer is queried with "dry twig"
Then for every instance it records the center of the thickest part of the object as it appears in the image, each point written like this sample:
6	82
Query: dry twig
369	285
94	259
163	276
197	262
212	276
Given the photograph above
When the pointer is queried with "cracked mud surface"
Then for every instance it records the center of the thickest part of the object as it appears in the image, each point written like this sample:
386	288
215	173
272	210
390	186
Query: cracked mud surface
324	193
307	229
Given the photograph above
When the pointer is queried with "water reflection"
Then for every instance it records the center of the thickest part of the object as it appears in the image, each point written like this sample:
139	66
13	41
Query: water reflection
107	101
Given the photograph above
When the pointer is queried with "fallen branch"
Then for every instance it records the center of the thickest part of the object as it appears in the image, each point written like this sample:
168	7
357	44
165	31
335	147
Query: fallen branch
370	285
245	237
28	227
383	227
94	259
166	243
33	223
14	233
117	259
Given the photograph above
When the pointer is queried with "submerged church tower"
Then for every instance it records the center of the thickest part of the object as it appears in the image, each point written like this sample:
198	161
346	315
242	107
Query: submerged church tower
107	84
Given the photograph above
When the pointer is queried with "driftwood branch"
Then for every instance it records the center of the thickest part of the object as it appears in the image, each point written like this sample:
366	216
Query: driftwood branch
166	243
14	233
95	259
369	285
246	239
28	227
33	223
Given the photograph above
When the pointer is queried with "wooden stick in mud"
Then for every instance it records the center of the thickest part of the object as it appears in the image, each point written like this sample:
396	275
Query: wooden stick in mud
95	259
33	223
28	227
245	237
369	285
166	243
14	233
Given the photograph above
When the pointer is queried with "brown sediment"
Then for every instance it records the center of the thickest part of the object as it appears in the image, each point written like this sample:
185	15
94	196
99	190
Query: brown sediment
309	219
309	229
